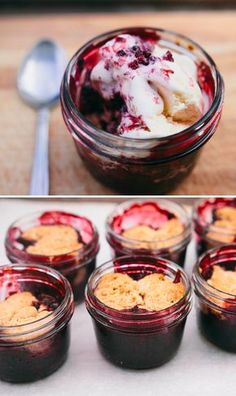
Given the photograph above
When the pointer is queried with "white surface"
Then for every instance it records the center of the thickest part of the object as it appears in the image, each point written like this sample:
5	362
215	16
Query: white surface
198	368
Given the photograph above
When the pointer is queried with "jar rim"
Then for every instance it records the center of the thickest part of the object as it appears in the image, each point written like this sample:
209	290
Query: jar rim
118	138
200	281
55	315
204	223
79	252
121	207
139	315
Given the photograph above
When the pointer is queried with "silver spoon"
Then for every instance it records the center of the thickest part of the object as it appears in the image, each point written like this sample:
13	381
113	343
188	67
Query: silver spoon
38	83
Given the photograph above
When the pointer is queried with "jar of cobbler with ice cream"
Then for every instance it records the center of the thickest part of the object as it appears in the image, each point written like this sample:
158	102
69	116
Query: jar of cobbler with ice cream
157	227
36	305
140	103
64	241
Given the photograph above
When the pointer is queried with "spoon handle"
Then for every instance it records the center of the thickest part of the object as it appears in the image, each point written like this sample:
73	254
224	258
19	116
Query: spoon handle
39	179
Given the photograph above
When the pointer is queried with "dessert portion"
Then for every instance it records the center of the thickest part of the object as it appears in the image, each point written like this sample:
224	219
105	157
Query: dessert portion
156	239
153	292
36	305
64	241
51	234
214	223
22	308
139	307
50	240
216	308
142	83
223	227
138	88
223	280
149	226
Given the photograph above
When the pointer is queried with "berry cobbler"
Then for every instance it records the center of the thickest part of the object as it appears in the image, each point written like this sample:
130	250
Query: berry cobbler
140	103
36	305
214	280
153	292
139	306
214	222
64	241
159	227
22	308
50	240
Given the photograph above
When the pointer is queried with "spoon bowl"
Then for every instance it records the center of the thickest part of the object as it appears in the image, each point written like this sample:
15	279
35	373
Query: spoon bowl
40	74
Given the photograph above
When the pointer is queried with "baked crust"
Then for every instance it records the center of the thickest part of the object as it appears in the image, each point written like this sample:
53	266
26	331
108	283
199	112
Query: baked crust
51	240
149	238
20	309
154	292
225	220
223	280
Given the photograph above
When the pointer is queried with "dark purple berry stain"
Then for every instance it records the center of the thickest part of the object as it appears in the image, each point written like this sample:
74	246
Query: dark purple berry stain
168	56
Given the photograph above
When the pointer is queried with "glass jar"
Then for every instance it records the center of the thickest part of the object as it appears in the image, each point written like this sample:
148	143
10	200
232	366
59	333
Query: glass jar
76	266
208	236
173	249
138	339
216	310
140	166
35	350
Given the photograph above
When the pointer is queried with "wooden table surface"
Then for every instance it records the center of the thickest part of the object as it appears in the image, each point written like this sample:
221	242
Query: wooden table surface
215	30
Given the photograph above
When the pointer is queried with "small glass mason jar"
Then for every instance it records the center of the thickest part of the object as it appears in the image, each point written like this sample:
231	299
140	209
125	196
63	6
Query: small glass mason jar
133	339
207	235
216	310
174	248
76	266
140	166
32	351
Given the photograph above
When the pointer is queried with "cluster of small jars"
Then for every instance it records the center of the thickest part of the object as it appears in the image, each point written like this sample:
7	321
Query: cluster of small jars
135	338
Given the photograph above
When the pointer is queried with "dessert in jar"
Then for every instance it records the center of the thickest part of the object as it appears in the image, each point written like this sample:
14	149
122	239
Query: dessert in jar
36	305
214	279
154	227
214	222
140	104
64	241
139	307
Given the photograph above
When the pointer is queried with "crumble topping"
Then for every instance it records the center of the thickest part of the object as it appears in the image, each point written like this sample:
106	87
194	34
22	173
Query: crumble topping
150	238
49	240
227	213
154	292
226	220
223	280
21	309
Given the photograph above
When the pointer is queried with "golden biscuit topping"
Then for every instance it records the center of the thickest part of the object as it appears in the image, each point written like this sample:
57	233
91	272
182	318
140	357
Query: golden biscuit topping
225	220
223	280
227	213
20	309
155	239
154	292
52	240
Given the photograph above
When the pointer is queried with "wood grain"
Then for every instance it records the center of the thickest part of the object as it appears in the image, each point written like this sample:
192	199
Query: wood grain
216	31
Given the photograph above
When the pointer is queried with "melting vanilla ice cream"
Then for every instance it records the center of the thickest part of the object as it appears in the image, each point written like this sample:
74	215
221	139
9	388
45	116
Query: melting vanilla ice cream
159	86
